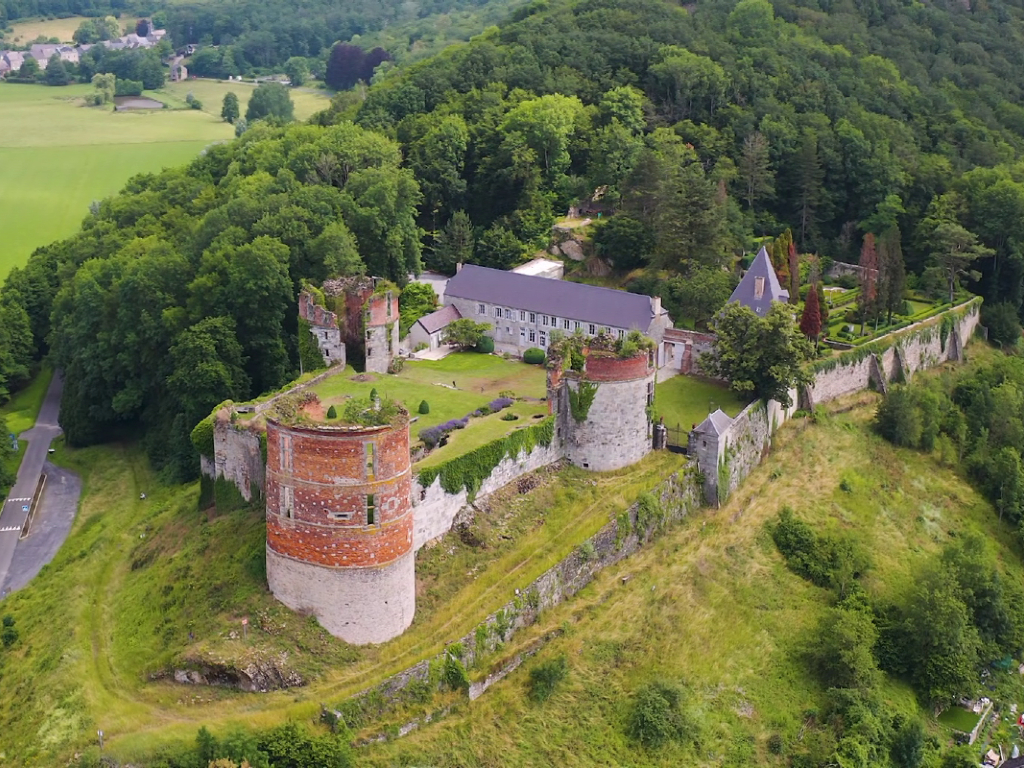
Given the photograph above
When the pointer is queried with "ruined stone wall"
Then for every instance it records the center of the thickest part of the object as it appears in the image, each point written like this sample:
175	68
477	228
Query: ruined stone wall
435	509
339	519
616	431
381	331
681	349
237	458
323	324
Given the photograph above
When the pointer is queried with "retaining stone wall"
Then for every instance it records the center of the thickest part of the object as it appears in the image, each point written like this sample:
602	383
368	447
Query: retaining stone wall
434	509
678	495
237	457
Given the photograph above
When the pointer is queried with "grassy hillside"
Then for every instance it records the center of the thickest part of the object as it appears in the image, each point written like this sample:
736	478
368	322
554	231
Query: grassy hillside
143	586
713	607
57	156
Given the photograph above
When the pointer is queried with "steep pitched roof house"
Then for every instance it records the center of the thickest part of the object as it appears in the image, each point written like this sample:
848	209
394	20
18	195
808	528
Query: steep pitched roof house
430	328
760	286
523	310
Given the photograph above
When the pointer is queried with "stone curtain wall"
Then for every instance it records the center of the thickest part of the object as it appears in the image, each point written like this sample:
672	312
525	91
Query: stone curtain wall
324	327
435	509
681	349
726	462
237	458
676	497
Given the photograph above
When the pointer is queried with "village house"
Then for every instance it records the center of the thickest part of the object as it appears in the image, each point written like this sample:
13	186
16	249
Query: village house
524	310
429	329
11	61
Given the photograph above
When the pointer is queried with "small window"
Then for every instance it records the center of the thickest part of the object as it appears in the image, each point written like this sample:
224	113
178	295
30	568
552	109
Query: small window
533	336
497	311
533	317
340	515
369	461
543	339
543	319
481	309
522	333
522	315
371	510
606	329
592	329
554	322
565	324
621	333
758	287
576	325
508	330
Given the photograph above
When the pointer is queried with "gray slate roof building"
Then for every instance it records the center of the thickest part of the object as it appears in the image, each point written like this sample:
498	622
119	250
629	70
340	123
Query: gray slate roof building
760	286
587	303
715	424
440	318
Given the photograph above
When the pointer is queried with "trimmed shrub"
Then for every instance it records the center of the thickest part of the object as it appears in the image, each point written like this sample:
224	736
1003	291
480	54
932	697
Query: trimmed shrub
534	356
485	345
424	407
332	412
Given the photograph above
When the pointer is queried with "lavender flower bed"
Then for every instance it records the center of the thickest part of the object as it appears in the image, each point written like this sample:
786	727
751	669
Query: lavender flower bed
431	436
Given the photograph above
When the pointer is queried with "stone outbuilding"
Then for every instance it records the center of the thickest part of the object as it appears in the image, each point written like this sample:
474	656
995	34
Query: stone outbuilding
429	329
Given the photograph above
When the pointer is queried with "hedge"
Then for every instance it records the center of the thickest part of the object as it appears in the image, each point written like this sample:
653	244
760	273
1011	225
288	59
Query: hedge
534	356
469	470
485	345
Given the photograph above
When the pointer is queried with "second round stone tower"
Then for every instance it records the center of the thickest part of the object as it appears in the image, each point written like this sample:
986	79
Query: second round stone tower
340	526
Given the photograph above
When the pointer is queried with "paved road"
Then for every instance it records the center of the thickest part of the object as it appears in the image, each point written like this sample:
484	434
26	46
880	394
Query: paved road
15	509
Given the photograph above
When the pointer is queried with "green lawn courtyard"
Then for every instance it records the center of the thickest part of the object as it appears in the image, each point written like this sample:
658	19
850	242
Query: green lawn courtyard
685	401
478	379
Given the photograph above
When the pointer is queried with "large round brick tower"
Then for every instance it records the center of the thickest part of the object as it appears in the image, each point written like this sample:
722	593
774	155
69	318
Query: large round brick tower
339	527
617	430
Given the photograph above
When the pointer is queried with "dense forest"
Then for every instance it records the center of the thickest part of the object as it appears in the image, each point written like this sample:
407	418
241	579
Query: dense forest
704	127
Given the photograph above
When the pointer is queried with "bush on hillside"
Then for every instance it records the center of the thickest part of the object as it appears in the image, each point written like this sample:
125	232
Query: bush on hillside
332	412
485	345
534	356
546	676
424	407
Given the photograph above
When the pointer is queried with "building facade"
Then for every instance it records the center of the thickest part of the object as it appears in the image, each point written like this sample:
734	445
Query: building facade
524	310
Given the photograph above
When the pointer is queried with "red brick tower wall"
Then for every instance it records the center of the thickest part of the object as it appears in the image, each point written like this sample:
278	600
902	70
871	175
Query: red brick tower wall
340	527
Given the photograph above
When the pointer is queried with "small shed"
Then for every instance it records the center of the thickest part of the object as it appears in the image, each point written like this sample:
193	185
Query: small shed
541	267
429	329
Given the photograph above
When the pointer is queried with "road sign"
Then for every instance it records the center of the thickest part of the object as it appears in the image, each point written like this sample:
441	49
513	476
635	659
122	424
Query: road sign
24	507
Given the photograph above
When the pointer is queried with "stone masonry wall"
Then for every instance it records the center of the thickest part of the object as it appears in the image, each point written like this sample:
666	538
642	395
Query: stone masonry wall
742	446
435	508
323	324
382	329
237	457
678	495
616	431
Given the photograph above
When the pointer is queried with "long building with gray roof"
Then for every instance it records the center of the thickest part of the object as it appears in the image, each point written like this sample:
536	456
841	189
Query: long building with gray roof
523	310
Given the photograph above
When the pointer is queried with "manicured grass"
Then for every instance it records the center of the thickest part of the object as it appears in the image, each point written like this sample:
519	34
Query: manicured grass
478	378
484	430
211	94
959	719
684	401
23	408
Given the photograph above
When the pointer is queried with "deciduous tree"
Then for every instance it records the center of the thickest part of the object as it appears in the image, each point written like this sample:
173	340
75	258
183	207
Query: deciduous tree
270	100
756	170
229	110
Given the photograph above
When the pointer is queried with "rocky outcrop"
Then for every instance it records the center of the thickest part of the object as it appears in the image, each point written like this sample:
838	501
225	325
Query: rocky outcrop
258	674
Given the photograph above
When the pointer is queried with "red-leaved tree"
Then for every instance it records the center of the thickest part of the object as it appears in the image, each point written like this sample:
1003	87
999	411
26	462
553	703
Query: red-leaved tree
868	278
810	321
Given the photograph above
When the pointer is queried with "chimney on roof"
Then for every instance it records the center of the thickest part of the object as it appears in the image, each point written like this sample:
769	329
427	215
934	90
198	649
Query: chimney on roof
458	267
656	305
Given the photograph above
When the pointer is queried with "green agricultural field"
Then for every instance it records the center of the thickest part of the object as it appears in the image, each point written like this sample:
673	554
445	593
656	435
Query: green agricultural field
63	29
308	101
684	401
58	156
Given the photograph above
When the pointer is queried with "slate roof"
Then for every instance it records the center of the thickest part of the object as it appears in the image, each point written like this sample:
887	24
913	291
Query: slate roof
715	424
575	301
746	293
440	318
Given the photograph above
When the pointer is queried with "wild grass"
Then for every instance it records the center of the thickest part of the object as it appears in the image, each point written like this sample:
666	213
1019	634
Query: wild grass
25	31
22	409
711	605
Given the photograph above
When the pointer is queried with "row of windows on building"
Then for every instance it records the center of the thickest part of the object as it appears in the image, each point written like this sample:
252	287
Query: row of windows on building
546	321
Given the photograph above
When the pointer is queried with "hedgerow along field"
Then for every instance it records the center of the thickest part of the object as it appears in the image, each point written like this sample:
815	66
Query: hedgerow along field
58	156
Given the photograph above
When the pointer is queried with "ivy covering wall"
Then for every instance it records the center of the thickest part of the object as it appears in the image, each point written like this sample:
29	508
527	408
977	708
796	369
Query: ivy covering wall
469	470
581	399
309	351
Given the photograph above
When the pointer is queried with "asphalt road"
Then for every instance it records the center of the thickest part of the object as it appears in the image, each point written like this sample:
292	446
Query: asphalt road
20	560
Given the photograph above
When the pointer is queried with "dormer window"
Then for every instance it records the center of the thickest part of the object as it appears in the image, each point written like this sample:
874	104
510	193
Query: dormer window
758	287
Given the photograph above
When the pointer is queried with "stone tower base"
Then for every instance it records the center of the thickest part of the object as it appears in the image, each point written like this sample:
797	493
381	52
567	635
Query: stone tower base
358	605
